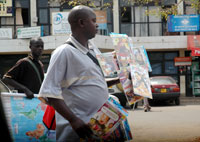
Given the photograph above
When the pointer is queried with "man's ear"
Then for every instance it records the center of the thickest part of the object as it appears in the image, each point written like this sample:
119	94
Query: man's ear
81	22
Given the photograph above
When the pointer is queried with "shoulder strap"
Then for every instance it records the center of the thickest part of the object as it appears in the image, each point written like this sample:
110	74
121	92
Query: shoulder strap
93	59
88	54
35	68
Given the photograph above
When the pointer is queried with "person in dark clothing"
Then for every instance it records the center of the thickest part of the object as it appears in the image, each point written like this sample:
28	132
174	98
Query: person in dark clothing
27	74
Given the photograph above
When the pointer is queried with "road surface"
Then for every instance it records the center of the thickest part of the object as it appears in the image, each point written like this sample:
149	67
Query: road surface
166	124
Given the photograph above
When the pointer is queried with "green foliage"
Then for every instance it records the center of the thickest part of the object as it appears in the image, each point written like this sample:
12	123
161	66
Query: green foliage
161	11
195	4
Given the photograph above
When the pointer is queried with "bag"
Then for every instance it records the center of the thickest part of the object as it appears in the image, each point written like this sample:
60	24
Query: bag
35	68
49	118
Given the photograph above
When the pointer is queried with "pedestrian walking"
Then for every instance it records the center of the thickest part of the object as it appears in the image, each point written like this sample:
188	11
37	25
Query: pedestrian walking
147	107
27	74
74	84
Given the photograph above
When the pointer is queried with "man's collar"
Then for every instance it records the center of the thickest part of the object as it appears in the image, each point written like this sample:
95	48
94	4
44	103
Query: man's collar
79	46
30	56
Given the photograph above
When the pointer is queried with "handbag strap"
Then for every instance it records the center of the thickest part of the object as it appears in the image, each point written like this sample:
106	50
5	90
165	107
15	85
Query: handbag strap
88	54
35	68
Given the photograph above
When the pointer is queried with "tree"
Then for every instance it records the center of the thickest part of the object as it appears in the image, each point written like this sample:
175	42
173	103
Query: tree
162	10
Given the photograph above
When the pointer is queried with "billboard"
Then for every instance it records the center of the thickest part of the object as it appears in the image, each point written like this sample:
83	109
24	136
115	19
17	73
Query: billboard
183	61
183	23
193	44
101	19
60	24
29	32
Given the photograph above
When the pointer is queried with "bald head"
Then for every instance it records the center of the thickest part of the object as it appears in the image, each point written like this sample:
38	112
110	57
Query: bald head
79	12
36	40
83	24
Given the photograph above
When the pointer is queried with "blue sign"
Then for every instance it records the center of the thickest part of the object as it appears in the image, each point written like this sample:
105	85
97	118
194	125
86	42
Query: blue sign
183	23
102	26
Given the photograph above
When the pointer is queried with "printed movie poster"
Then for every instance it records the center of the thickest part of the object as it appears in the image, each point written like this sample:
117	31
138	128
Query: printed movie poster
105	121
122	132
141	81
123	50
108	64
125	80
140	57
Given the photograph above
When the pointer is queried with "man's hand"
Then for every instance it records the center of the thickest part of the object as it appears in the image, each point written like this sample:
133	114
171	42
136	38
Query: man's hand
83	130
29	93
18	86
79	126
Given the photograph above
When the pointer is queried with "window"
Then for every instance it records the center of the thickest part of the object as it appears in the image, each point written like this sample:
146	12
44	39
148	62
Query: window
45	9
162	63
170	68
156	68
135	22
20	18
126	15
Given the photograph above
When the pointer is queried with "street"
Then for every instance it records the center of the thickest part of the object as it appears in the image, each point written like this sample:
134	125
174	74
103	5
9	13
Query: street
166	124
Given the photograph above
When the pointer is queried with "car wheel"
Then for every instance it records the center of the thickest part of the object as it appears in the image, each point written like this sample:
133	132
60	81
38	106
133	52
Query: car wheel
177	101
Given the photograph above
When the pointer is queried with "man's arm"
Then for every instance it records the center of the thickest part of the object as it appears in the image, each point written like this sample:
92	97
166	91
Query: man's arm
19	86
81	128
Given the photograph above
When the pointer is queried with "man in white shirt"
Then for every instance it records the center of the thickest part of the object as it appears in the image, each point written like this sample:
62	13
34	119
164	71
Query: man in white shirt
74	84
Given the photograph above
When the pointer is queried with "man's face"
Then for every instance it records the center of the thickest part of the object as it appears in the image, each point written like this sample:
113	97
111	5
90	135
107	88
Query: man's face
37	48
91	26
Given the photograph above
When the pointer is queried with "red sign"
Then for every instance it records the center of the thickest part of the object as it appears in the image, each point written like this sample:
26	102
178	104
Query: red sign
194	44
195	52
183	61
193	41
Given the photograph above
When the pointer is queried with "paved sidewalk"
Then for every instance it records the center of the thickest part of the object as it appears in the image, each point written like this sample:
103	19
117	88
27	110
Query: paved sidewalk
166	124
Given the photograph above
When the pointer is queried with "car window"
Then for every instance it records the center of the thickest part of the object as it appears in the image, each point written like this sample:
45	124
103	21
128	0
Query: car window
3	87
160	80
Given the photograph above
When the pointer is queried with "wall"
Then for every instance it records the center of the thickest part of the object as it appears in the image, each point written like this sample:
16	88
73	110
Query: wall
102	42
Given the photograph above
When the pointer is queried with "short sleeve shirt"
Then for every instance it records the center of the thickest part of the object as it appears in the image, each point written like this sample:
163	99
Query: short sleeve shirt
24	73
75	78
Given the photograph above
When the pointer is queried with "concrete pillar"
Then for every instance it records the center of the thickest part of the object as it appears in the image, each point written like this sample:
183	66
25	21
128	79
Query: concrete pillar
116	16
180	7
182	77
182	52
33	13
180	10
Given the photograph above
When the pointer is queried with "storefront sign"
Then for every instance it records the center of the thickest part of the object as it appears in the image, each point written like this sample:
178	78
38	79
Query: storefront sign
101	19
193	41
183	61
29	32
183	23
60	24
195	52
6	8
5	33
193	44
